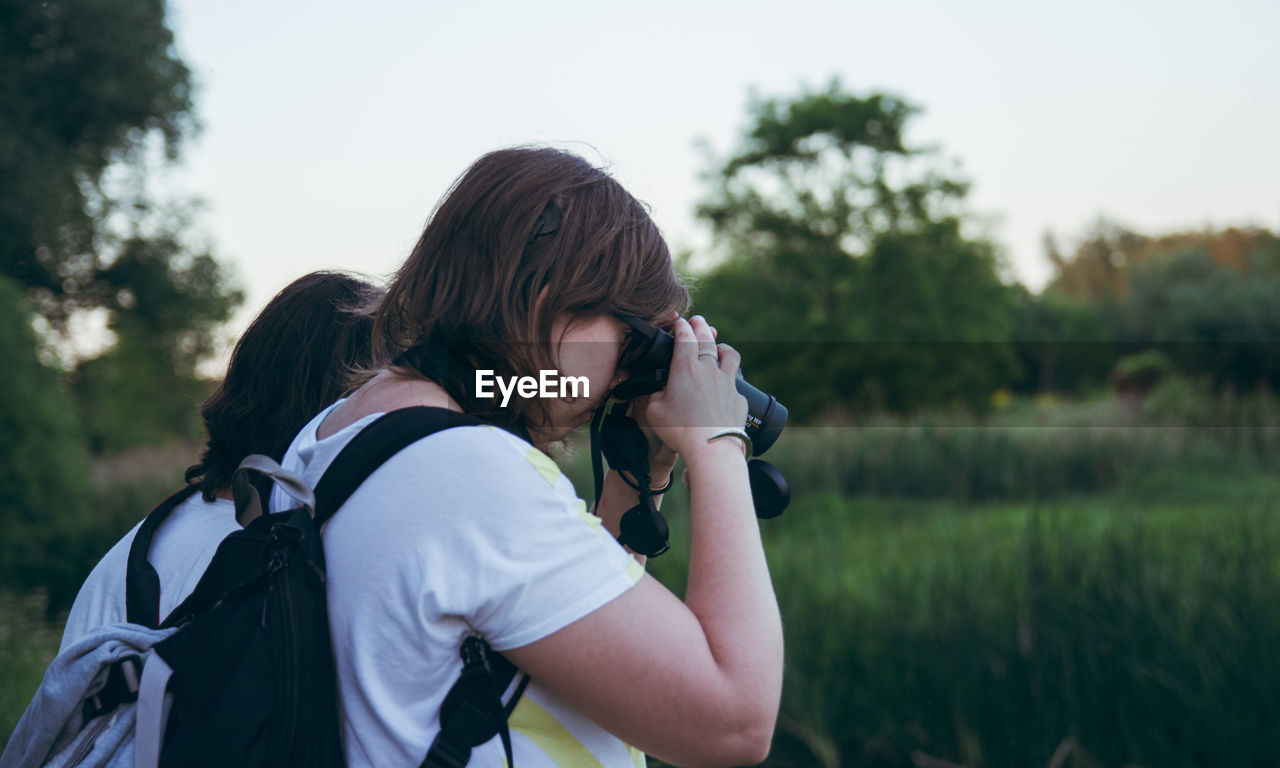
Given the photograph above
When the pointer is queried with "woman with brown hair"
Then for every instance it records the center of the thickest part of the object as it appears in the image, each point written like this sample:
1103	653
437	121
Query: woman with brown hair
524	267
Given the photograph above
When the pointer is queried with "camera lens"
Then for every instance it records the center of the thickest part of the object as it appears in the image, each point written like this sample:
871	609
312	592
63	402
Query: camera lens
765	416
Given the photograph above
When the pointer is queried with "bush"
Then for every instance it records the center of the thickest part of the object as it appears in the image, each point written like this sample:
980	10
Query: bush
28	642
43	470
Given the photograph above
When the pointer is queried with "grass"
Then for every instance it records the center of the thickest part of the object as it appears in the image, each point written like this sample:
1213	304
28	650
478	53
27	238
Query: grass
1138	627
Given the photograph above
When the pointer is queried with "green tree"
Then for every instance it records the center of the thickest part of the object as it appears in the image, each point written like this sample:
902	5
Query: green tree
144	389
1209	300
1213	321
1065	344
92	91
86	85
845	270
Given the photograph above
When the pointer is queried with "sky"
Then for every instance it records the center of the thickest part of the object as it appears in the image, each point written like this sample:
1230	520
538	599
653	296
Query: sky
330	129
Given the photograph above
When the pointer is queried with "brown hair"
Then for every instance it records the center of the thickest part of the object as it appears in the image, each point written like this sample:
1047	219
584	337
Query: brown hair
295	358
473	280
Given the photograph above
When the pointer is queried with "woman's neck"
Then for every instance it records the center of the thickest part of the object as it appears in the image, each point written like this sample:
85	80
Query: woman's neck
387	391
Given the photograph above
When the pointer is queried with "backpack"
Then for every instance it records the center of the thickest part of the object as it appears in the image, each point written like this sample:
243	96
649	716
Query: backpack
241	672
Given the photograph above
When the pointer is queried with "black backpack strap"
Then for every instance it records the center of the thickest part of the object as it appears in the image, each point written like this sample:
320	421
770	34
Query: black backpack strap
142	583
473	711
375	444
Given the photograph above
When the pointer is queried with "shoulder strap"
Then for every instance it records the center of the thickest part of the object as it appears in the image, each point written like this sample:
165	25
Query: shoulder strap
367	451
142	583
375	444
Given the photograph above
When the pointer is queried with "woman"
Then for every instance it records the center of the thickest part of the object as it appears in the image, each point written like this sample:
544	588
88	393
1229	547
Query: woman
296	357
473	531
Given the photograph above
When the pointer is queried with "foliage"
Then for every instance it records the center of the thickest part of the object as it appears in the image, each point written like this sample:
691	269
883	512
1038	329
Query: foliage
85	83
125	487
1212	320
1209	301
43	470
1141	372
1106	255
90	87
1063	344
845	259
145	390
28	642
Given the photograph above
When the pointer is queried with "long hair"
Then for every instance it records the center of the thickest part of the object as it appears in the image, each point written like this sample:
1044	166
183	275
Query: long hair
296	357
477	283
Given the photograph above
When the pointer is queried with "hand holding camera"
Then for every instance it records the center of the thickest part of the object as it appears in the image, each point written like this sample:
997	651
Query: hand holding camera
697	398
700	398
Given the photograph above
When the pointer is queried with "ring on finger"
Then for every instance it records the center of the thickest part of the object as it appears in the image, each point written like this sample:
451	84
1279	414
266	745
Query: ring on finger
709	353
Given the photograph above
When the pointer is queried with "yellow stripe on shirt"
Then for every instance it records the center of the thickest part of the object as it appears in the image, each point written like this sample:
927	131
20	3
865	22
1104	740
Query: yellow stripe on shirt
536	724
545	466
634	570
637	757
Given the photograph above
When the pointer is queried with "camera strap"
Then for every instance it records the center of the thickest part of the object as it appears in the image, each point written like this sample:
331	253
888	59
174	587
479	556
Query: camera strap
642	528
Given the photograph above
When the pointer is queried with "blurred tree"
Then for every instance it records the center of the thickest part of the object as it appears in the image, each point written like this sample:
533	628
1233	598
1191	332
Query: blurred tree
164	309
1106	255
92	89
836	235
85	84
1098	267
1065	343
1209	300
1214	321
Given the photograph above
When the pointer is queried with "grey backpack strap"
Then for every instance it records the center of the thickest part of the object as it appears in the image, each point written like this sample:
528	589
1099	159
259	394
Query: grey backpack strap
149	733
249	502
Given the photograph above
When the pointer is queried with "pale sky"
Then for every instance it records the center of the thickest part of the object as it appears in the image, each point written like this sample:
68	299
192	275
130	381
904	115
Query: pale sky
331	128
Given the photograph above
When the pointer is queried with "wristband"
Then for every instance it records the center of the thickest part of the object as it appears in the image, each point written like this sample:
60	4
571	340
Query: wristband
739	433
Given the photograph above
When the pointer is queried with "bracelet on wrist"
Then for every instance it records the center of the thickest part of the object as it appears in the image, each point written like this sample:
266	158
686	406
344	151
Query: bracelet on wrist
739	433
635	484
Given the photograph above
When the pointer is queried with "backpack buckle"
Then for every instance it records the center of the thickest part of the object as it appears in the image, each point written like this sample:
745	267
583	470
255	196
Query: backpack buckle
124	677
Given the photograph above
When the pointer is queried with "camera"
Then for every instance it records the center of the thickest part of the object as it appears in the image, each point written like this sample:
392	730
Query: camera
648	358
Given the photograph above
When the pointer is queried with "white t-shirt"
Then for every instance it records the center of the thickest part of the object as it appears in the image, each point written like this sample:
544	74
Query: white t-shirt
469	531
180	552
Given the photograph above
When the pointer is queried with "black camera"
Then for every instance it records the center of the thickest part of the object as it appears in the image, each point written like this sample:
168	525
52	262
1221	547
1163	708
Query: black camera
647	357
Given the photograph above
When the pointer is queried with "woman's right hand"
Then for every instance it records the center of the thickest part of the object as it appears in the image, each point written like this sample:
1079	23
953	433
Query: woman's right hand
701	397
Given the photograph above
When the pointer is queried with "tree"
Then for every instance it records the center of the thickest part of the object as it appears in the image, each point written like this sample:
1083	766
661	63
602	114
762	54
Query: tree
1213	321
165	307
85	84
1106	255
92	90
1208	300
845	271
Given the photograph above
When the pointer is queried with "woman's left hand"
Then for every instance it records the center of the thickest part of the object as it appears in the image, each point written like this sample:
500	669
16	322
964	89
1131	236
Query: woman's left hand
662	459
